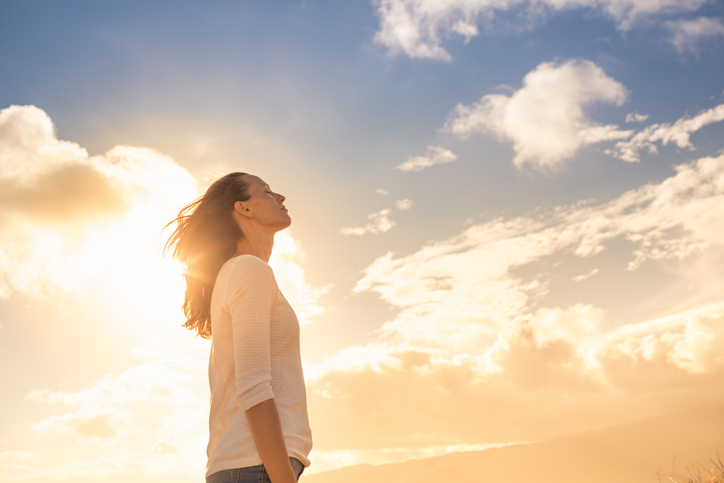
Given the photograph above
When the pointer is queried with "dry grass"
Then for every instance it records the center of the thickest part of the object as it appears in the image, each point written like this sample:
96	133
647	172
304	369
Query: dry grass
700	473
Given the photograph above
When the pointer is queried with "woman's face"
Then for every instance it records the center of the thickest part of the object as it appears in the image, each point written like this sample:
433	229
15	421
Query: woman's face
266	207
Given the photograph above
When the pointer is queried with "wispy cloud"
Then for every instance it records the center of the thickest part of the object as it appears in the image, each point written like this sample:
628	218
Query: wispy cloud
465	285
636	117
688	34
678	133
545	120
380	221
418	28
434	155
404	204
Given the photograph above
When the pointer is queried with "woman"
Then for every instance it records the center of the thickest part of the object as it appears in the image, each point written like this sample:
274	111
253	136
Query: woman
259	427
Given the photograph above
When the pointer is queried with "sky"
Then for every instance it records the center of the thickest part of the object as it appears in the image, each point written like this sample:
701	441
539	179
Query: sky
507	219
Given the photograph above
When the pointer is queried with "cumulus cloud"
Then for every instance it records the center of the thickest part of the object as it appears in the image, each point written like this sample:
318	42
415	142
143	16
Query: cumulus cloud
418	28
678	133
545	120
435	155
553	370
62	212
55	198
688	34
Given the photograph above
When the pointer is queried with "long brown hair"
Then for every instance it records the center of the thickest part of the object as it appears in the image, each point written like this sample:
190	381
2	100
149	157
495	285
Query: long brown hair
204	238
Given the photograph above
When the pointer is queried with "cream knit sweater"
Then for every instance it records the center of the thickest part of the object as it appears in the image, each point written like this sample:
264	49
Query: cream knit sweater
254	357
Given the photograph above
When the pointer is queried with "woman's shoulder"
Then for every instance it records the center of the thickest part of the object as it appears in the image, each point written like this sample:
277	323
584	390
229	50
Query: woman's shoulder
248	267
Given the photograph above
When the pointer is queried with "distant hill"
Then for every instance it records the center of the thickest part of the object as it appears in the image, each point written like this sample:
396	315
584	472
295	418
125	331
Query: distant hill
630	453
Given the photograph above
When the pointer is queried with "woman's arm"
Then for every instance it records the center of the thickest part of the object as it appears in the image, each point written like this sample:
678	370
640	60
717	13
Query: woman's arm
266	431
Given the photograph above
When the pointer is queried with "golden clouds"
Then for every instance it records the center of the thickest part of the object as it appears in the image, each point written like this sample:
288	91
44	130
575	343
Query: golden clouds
482	349
63	211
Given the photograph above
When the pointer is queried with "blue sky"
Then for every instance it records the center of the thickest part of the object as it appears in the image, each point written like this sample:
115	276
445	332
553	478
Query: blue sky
546	201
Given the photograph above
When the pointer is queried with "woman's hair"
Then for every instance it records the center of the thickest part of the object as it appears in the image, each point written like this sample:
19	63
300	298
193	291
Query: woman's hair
205	237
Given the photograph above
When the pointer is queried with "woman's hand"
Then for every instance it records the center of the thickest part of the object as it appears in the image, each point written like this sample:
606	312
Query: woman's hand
266	430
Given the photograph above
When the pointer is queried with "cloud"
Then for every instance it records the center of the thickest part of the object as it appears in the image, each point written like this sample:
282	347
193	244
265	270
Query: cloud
677	133
435	155
477	329
404	204
89	424
381	192
688	34
636	117
481	348
554	373
151	416
379	223
87	226
418	28
62	212
286	261
545	120
55	200
461	290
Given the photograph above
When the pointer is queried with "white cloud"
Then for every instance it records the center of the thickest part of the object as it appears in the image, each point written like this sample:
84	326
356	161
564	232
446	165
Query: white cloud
678	133
636	117
688	34
458	292
435	155
379	223
381	192
545	119
419	27
404	204
286	261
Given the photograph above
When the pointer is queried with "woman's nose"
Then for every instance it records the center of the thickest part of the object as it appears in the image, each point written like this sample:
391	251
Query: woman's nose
282	198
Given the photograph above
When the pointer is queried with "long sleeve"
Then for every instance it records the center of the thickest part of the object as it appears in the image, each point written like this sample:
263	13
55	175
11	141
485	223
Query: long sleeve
250	309
255	356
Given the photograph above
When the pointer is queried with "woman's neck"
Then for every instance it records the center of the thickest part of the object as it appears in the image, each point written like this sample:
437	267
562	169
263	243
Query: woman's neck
257	245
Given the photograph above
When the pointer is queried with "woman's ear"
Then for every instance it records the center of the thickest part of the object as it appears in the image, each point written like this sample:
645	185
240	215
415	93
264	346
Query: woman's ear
241	208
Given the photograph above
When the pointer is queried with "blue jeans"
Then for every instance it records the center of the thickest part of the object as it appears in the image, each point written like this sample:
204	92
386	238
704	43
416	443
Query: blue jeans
251	474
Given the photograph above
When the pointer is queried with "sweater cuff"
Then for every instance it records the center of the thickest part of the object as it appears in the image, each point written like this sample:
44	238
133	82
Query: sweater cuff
254	397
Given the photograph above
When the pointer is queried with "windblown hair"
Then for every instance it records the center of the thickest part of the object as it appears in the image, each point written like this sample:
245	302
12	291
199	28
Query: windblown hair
204	238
